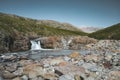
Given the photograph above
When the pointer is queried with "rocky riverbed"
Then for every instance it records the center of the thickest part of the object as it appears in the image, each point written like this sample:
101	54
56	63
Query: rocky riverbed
73	66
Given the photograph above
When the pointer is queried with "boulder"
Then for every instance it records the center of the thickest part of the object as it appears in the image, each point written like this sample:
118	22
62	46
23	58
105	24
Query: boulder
17	78
8	75
56	61
50	42
92	57
70	68
74	55
114	75
33	70
78	77
11	67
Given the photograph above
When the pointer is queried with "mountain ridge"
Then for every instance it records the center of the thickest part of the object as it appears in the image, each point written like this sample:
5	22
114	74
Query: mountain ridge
89	29
111	32
27	25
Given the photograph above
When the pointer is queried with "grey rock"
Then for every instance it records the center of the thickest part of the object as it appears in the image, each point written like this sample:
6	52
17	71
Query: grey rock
8	75
38	78
66	58
18	72
1	78
90	78
66	77
92	67
81	62
24	77
11	67
78	77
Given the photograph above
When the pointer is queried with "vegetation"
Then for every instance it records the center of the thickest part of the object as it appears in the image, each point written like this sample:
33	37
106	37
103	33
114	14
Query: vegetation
112	32
15	25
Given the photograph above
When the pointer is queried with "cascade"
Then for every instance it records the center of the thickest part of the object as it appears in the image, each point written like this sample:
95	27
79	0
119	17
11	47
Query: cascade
66	43
35	45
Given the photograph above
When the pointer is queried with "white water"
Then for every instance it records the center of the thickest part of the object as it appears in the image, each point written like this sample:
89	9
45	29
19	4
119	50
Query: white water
35	45
66	43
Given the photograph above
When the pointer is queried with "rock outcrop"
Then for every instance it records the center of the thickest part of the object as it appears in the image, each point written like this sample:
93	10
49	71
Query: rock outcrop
11	44
68	42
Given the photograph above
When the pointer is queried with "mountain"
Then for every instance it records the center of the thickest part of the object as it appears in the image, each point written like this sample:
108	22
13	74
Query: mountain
112	32
55	24
10	24
89	29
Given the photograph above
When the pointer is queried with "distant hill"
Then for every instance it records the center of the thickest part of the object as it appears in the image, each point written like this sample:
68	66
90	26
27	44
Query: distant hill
112	32
89	29
56	24
13	24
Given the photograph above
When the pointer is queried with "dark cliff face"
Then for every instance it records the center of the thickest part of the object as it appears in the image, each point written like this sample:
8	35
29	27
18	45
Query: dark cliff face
10	44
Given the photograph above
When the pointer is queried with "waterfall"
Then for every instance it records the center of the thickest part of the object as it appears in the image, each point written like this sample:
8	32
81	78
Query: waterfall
66	43
35	45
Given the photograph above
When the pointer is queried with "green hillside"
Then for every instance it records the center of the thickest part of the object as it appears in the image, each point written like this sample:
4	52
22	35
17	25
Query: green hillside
112	32
12	24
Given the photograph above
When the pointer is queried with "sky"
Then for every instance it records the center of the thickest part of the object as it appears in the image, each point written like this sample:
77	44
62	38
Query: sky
80	13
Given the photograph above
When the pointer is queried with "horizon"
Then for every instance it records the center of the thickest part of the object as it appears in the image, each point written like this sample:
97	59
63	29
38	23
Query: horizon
101	14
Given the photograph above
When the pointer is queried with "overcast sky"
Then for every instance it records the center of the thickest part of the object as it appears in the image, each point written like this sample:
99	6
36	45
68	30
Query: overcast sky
97	13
